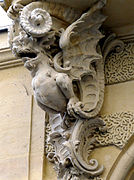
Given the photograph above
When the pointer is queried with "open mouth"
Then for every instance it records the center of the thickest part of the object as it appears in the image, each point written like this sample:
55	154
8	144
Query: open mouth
27	55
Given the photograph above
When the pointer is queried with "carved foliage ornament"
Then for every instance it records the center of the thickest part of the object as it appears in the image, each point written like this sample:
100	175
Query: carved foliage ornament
59	45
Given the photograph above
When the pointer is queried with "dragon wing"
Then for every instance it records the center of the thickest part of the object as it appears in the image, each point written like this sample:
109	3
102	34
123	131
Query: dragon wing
79	41
82	60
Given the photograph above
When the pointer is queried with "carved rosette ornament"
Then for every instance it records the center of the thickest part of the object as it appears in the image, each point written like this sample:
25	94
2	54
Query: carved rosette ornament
60	46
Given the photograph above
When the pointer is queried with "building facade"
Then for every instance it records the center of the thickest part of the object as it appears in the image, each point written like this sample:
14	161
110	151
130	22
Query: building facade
85	125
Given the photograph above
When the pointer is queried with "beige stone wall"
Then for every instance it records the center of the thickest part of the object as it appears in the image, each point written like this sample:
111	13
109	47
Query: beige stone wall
21	121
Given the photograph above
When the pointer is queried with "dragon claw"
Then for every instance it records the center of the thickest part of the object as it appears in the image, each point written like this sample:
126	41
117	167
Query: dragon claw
74	107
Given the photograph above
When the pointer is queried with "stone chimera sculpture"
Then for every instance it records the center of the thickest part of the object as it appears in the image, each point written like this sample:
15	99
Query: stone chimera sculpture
59	45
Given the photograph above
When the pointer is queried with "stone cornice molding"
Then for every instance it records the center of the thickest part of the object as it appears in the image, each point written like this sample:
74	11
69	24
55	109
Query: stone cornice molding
125	33
7	60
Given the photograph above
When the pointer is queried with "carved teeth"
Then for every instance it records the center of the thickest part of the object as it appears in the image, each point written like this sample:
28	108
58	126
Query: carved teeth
27	54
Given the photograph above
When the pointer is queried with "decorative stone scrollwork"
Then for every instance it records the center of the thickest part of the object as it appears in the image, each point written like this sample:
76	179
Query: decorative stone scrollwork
72	147
82	144
59	45
112	44
35	21
49	148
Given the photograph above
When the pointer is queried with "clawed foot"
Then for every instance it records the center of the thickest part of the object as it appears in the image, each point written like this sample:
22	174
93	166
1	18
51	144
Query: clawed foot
29	65
74	107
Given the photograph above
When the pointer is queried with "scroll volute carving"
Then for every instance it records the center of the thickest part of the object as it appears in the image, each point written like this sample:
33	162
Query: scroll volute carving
60	46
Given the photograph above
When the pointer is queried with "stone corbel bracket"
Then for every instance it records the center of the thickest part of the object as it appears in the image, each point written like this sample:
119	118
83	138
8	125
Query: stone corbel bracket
59	45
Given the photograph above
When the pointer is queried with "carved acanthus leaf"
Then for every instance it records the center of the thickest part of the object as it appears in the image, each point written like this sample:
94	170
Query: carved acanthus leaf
73	146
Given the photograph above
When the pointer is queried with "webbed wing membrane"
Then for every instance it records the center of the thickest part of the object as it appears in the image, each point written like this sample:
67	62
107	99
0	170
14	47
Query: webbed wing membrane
79	43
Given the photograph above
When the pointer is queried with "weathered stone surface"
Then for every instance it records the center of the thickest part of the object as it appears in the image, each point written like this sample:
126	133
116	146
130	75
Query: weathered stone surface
15	120
21	127
67	70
